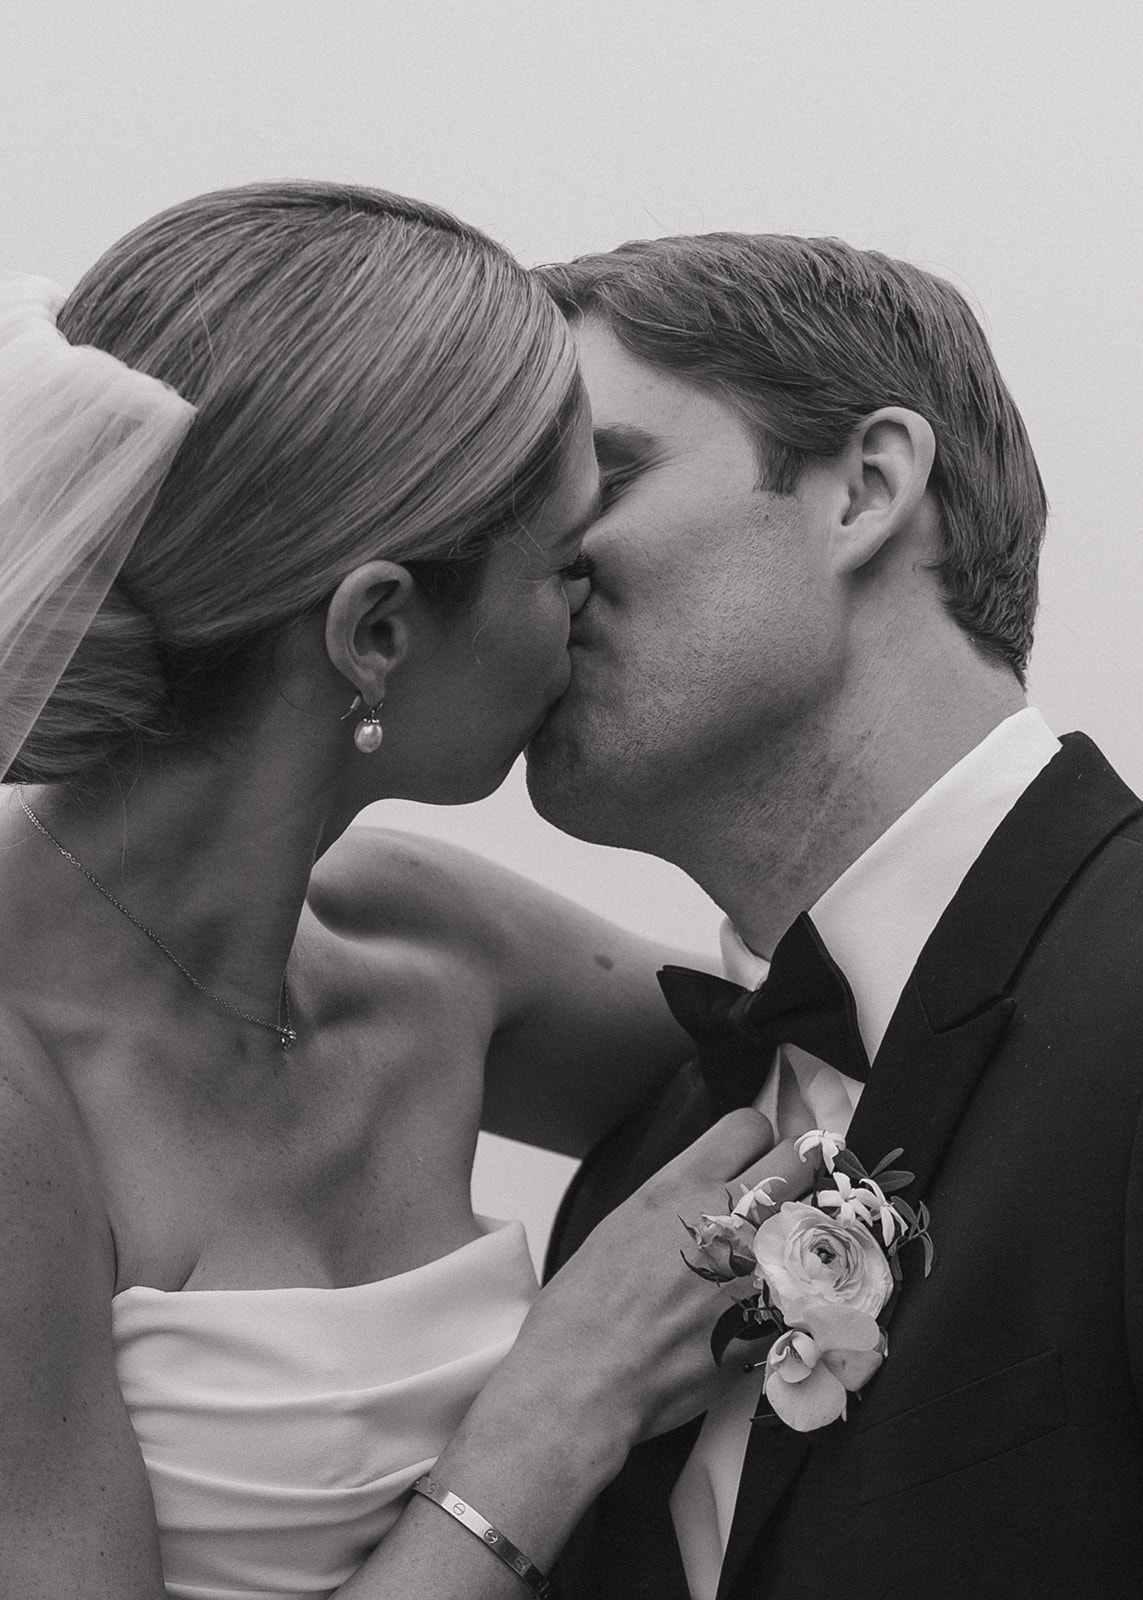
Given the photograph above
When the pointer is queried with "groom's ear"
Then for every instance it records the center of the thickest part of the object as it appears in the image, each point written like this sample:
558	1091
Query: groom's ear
884	473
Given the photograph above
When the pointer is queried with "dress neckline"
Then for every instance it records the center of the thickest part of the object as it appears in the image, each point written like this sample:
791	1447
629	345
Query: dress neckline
506	1237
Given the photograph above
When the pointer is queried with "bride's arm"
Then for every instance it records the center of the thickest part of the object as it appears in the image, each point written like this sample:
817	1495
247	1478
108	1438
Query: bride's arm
583	1033
76	1520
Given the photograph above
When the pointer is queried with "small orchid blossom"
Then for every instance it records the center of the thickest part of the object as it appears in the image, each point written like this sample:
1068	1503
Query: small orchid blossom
813	1368
830	1144
865	1202
753	1196
851	1203
890	1221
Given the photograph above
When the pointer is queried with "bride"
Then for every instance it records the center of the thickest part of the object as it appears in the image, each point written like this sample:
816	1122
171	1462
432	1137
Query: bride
291	507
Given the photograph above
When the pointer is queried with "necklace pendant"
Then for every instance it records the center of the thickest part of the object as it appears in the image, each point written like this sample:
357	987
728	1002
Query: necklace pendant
287	1033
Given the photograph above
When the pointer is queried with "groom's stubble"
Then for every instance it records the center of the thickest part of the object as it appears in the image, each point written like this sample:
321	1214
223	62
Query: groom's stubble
710	650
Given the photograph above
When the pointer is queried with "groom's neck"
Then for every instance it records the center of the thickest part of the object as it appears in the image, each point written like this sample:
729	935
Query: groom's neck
767	844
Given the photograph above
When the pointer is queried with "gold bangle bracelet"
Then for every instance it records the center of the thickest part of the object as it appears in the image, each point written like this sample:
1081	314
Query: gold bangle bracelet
491	1538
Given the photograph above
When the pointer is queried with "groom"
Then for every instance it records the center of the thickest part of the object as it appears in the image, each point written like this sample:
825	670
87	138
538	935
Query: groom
800	677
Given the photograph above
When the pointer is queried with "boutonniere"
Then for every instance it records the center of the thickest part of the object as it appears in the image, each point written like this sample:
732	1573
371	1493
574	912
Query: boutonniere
815	1277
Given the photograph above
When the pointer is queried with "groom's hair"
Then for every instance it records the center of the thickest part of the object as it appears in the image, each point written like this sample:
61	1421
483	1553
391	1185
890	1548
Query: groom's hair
805	337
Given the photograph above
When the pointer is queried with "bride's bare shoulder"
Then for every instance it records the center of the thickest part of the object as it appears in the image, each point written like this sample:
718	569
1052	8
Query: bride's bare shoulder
47	1174
68	1456
31	1083
35	1099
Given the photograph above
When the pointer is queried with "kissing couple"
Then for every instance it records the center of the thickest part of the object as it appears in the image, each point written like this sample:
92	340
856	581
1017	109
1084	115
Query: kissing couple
311	496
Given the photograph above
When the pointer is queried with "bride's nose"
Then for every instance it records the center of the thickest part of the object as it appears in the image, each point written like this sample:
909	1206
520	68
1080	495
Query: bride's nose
577	592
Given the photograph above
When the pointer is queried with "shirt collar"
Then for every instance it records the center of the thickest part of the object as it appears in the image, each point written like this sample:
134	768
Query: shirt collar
877	917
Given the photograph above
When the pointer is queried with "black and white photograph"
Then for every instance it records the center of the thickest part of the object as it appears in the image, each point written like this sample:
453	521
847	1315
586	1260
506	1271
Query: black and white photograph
571	851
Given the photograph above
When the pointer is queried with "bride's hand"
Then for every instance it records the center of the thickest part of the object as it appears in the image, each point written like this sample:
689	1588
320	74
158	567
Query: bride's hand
624	1327
616	1348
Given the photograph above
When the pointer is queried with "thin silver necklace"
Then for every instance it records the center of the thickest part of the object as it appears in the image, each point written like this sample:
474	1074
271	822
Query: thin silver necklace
287	1034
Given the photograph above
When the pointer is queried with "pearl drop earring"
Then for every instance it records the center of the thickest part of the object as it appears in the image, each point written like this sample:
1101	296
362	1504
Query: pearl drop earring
368	734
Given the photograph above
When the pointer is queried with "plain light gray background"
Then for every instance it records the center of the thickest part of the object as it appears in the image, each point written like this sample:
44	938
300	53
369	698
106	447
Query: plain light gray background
996	143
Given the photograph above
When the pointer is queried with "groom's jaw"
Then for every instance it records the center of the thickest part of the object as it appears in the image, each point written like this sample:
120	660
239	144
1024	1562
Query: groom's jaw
706	622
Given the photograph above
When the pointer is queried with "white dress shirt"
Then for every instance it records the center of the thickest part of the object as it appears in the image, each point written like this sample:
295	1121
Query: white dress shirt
875	921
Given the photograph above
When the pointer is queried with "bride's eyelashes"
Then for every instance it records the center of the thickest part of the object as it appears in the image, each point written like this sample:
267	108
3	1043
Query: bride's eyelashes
581	567
613	484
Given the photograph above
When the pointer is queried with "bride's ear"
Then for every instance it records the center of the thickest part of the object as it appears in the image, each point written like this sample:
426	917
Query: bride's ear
366	626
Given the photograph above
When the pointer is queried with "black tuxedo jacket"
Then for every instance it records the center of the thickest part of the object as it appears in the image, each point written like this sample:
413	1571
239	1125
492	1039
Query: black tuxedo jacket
999	1449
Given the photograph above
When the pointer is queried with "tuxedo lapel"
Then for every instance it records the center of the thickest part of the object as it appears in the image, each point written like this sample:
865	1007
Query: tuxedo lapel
774	1456
917	1091
955	1006
948	1023
924	1081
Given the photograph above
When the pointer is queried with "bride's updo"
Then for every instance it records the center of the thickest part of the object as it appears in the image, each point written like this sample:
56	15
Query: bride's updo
372	377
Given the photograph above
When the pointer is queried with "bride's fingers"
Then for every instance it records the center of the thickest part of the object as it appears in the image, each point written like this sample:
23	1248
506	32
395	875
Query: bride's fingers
726	1149
783	1162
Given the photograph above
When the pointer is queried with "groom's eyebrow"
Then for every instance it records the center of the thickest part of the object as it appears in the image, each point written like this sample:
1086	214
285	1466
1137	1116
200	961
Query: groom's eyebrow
625	447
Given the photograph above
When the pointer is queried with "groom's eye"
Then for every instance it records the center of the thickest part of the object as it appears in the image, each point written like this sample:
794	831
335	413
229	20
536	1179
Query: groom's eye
624	453
614	483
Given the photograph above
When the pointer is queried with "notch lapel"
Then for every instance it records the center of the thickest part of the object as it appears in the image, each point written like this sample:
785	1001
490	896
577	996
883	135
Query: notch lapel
917	1091
951	1016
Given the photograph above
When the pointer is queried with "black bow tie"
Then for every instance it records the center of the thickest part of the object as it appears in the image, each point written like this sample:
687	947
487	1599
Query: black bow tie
804	1001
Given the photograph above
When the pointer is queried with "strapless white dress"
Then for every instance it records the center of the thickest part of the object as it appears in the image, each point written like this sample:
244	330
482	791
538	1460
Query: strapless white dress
282	1428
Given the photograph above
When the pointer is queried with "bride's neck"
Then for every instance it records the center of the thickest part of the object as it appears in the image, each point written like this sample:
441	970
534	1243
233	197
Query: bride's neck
212	854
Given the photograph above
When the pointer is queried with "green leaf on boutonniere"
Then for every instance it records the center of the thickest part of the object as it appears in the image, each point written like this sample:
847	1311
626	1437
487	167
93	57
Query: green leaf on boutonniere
701	1272
890	1182
845	1161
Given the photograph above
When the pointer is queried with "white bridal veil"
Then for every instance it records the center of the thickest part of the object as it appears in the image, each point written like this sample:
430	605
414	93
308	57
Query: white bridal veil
85	443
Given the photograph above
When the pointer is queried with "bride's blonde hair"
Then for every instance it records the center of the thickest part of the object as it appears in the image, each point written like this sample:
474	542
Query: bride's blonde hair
372	377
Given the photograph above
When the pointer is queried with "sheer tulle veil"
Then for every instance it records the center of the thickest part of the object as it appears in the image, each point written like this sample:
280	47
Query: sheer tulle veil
85	443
